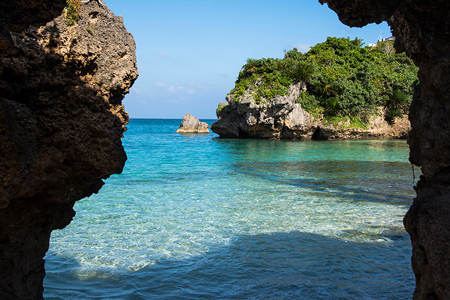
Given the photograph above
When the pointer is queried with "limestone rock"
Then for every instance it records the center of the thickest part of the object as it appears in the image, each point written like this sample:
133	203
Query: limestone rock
191	124
283	118
280	118
61	123
18	15
422	30
377	128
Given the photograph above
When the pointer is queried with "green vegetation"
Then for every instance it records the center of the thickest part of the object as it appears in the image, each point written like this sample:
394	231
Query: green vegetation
220	108
73	11
345	122
343	78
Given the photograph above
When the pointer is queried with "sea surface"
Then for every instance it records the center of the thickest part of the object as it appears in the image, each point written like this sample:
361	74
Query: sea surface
193	216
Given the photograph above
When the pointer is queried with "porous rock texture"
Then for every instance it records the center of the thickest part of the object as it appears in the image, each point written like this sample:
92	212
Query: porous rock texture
422	30
191	124
17	15
283	118
280	118
61	123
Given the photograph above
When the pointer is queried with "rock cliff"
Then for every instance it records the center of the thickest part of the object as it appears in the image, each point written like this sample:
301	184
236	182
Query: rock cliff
284	118
422	30
61	123
191	124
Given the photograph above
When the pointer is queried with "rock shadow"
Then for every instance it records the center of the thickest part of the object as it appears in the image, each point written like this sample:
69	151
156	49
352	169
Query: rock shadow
294	265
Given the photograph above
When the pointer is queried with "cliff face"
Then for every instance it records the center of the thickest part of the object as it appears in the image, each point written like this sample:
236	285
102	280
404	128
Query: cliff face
271	119
61	123
422	30
17	15
284	118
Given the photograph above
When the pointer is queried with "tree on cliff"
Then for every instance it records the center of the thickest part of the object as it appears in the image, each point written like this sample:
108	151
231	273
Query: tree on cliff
343	78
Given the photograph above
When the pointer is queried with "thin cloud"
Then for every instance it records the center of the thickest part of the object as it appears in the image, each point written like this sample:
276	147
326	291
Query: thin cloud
192	85
173	89
302	47
140	68
163	55
160	84
135	90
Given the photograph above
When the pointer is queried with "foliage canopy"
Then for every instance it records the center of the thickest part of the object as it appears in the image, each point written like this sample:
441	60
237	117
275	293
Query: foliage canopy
343	78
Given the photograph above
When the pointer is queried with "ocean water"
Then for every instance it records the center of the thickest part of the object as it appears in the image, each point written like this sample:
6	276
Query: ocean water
197	217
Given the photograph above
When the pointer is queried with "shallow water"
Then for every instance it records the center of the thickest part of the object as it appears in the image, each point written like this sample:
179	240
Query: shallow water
197	217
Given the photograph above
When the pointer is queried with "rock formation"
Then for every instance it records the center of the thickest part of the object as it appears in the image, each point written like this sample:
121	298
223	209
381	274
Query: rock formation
61	123
191	124
283	118
17	15
422	30
277	119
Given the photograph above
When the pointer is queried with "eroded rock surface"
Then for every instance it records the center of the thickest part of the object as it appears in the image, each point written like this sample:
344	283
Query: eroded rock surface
61	123
422	30
191	124
283	118
17	15
278	119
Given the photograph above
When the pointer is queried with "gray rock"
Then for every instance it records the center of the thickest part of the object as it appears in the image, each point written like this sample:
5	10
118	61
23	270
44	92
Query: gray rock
191	124
278	118
283	118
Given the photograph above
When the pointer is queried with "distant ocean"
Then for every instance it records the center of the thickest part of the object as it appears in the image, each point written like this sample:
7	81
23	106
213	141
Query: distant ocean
197	217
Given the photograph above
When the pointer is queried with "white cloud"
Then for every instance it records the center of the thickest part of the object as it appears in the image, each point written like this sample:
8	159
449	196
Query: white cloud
160	84
181	91
163	55
173	89
135	90
302	47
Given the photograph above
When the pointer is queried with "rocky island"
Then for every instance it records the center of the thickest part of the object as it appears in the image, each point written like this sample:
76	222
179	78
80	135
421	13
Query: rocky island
286	119
191	124
62	79
337	90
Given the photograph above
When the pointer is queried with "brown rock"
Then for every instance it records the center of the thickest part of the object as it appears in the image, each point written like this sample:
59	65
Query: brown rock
17	15
422	30
61	123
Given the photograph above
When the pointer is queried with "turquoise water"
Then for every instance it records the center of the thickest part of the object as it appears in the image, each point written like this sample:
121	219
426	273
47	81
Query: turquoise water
197	217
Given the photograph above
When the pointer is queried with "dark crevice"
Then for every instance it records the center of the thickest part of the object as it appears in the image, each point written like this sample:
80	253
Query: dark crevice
317	135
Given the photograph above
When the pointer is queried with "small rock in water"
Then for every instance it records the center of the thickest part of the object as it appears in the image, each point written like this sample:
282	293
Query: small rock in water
191	124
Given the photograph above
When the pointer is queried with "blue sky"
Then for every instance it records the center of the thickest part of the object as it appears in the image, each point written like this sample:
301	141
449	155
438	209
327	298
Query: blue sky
190	52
